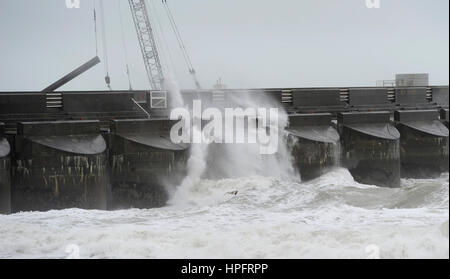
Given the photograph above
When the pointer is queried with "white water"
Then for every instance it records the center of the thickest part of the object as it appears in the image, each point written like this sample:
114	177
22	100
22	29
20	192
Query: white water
331	217
271	216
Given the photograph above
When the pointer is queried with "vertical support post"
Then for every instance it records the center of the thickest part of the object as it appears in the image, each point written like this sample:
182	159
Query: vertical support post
5	174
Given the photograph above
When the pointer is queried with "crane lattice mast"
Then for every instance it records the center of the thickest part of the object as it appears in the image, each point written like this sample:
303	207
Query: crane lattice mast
147	42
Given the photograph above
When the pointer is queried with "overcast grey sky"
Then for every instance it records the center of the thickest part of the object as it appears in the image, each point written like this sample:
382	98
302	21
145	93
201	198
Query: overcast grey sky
248	43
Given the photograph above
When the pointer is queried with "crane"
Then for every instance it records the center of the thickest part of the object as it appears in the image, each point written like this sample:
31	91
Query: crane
147	43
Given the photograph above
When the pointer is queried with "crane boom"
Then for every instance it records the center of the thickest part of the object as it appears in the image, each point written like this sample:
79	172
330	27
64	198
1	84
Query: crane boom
147	42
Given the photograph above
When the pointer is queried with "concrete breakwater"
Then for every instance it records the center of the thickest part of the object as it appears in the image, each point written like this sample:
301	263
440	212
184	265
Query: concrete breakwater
99	151
64	164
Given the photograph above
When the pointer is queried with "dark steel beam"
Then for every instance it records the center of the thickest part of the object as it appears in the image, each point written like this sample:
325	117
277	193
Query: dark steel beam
78	71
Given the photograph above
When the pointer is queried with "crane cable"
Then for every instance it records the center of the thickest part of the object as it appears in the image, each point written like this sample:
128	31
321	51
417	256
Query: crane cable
166	53
95	28
177	35
187	59
157	39
105	47
124	46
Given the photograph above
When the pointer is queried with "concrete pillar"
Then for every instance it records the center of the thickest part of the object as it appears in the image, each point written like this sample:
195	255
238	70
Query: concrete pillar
315	144
143	162
5	173
59	165
423	142
370	148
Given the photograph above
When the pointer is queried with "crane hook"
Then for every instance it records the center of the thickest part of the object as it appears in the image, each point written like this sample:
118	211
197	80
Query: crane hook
108	81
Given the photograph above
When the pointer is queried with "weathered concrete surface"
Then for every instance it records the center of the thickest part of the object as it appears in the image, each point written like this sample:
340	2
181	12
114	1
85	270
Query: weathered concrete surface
440	95
59	165
5	174
144	161
423	142
370	148
444	116
315	144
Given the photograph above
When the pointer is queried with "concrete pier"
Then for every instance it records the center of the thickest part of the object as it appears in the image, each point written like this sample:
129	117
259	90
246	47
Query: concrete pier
370	147
143	161
315	143
5	173
51	158
423	142
59	165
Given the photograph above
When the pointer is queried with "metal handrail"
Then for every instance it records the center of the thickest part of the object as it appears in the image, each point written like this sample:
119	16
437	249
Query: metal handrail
139	106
